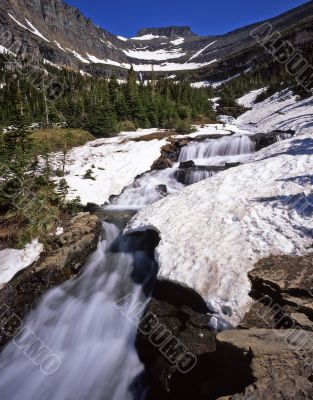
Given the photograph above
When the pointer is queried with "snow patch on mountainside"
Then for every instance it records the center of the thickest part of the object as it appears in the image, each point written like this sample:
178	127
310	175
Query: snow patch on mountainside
171	66
31	27
35	31
122	38
158	55
147	37
178	41
4	50
198	53
79	56
213	232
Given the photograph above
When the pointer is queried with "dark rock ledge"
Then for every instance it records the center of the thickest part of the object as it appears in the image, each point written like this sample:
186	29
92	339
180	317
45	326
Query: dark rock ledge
64	260
270	356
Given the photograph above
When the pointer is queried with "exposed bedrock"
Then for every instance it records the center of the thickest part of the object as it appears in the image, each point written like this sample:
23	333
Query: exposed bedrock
280	361
235	364
64	259
180	352
266	139
283	289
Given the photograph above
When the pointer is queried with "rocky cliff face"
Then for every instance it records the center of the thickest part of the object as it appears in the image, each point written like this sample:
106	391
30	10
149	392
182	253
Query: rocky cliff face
59	33
169	31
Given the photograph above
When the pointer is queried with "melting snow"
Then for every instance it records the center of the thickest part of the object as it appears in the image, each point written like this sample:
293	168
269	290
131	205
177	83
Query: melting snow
213	232
115	162
122	38
12	260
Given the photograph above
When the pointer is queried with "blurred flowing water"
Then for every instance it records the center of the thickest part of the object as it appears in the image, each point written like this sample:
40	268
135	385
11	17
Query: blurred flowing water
82	326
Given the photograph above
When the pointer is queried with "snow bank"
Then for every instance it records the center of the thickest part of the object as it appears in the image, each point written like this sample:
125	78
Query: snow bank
115	162
248	99
283	111
12	260
213	232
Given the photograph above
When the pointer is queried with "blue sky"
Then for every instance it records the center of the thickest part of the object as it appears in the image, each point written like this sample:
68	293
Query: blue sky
126	17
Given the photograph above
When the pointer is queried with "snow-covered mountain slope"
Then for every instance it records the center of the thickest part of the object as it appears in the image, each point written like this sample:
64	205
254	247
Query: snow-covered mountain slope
213	232
284	111
62	35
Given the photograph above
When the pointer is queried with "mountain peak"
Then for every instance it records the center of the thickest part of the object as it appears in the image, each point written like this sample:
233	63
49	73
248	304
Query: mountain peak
168	31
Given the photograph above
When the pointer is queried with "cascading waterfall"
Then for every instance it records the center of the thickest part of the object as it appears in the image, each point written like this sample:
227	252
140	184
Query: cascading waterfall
148	189
218	151
153	186
80	323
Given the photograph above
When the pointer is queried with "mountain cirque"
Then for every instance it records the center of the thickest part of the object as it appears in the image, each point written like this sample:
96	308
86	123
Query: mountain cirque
62	35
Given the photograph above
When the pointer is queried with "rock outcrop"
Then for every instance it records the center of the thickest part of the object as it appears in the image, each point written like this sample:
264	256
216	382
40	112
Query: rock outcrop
280	361
283	289
68	253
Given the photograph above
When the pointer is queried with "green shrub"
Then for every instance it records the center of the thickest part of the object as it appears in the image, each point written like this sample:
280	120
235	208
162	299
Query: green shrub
184	127
127	126
89	175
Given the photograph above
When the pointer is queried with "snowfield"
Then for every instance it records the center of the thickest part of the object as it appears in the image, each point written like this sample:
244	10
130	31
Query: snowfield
283	111
213	232
158	55
115	162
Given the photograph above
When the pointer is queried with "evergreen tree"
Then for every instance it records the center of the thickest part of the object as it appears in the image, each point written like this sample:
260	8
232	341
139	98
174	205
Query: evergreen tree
102	121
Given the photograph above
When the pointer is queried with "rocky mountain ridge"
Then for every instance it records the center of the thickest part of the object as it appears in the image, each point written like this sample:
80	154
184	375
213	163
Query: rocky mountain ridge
60	34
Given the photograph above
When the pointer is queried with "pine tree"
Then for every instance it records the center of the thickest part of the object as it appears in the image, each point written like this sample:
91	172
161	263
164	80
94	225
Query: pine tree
102	121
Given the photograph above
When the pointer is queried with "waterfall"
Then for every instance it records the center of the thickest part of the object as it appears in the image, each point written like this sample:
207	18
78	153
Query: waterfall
148	189
81	325
218	151
153	186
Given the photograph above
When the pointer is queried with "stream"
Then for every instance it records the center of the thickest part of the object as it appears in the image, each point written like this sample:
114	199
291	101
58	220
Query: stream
79	321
